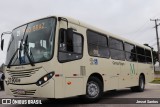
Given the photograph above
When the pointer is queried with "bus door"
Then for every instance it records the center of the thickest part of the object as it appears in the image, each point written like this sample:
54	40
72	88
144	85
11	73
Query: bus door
70	56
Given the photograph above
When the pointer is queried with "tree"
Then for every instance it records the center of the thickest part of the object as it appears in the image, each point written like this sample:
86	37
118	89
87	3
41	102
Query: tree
155	56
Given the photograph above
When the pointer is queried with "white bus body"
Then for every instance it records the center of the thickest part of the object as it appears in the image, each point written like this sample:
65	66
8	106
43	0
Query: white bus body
74	70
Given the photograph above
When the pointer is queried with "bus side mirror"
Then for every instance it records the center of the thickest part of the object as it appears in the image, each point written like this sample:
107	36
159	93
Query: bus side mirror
2	40
2	43
69	39
69	34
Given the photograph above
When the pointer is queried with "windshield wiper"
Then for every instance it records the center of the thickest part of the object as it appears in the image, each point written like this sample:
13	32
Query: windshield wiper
20	49
9	64
26	51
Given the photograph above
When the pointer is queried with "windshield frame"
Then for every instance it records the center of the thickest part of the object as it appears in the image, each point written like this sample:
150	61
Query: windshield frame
54	35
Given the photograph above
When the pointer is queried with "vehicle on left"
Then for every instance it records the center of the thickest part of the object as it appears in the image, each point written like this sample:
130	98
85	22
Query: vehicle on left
1	81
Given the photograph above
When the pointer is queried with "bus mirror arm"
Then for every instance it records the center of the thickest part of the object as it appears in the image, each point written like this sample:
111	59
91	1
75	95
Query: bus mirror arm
2	40
69	30
64	19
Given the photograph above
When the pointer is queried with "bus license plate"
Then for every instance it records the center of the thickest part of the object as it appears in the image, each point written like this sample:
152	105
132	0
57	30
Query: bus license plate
13	80
20	91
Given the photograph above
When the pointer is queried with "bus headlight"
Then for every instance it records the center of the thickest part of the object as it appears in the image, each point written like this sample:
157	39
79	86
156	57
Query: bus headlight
45	78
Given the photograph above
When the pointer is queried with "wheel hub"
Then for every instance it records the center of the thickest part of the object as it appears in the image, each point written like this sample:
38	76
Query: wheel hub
93	90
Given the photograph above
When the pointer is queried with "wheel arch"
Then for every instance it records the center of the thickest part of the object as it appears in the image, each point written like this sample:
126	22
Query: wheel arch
99	76
142	74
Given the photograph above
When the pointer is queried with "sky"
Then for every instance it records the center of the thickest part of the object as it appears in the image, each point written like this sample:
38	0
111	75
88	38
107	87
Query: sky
127	18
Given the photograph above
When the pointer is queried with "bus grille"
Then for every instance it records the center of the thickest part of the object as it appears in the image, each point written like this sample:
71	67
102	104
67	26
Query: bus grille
26	92
22	73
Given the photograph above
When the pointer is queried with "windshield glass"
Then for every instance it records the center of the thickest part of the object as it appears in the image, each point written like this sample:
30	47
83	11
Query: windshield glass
36	38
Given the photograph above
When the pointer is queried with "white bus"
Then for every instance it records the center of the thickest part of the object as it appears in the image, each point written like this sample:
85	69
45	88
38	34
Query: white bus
59	57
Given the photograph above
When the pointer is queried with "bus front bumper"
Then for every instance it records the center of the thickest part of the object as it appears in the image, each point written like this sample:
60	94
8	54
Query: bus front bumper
46	90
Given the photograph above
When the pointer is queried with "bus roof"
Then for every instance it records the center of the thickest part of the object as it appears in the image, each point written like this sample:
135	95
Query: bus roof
71	20
80	23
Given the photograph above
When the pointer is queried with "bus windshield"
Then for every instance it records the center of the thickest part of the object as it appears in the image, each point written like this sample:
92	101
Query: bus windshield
35	39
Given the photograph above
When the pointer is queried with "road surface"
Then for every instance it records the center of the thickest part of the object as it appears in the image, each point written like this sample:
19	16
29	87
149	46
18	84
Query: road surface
109	99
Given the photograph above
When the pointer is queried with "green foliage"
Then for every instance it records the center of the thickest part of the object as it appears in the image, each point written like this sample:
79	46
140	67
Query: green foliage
156	81
155	56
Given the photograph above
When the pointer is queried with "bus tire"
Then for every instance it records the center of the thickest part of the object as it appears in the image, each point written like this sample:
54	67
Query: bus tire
94	90
141	86
1	85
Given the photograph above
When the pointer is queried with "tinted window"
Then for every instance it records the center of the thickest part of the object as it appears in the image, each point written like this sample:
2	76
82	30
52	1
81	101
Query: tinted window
149	60
141	54
141	58
116	49
117	54
97	44
129	48
70	48
140	50
115	44
96	38
130	52
131	56
77	43
148	53
148	56
95	50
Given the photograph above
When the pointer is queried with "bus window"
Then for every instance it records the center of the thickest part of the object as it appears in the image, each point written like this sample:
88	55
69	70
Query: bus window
69	49
116	49
148	56
130	52
140	54
97	44
148	53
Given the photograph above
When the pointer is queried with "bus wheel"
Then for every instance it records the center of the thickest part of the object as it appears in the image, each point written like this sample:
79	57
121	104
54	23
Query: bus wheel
94	89
1	85
141	86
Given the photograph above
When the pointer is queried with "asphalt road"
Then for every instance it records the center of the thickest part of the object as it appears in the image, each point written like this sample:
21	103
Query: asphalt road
110	99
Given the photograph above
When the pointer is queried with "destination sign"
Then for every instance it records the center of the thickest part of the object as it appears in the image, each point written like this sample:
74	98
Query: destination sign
31	29
35	28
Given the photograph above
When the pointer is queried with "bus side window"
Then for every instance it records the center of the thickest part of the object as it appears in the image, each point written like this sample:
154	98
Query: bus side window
70	48
140	54
97	44
116	49
148	56
130	51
